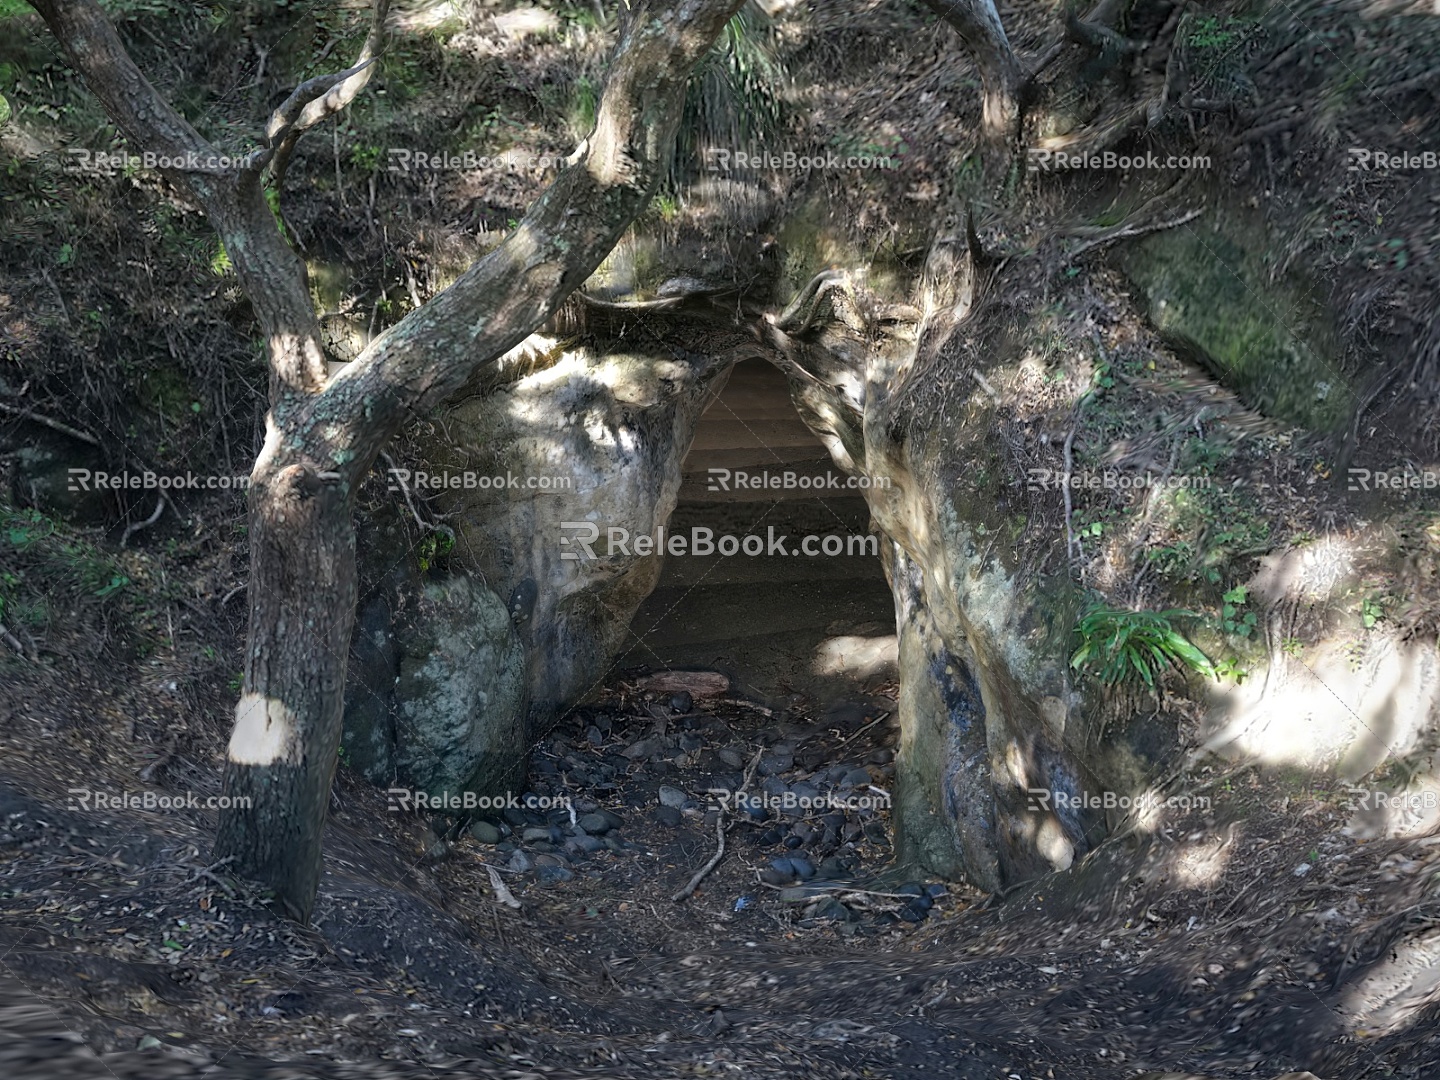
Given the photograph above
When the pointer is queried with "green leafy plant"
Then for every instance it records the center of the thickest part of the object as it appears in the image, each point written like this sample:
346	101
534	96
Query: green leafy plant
1237	621
1229	668
1371	611
111	587
435	546
1118	646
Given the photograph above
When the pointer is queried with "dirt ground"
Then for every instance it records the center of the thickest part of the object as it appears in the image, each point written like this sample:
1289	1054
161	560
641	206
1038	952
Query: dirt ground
1194	945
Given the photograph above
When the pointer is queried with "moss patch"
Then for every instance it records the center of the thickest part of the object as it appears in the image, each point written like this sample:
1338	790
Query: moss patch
1209	291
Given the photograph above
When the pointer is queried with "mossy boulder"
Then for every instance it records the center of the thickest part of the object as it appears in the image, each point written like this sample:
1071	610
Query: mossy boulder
1209	291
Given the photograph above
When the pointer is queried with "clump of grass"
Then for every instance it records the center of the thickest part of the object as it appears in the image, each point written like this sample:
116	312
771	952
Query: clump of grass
1119	646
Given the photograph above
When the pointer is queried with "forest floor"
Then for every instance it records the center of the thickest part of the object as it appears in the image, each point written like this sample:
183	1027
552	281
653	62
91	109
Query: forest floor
1246	939
1256	936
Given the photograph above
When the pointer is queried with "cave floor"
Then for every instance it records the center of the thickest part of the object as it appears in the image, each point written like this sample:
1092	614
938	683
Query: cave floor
780	623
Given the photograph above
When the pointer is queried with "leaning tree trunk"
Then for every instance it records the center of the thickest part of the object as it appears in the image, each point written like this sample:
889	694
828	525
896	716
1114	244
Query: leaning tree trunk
324	435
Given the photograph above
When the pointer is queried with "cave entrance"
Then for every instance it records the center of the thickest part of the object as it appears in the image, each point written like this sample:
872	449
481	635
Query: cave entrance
820	625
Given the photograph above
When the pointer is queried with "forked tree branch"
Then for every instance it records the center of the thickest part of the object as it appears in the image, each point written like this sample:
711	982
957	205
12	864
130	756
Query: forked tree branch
323	96
570	229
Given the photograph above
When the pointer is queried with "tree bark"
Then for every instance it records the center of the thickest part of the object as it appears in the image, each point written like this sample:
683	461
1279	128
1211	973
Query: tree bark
322	438
978	23
282	753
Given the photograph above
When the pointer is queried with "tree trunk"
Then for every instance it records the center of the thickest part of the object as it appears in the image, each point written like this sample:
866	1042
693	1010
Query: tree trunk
288	721
978	23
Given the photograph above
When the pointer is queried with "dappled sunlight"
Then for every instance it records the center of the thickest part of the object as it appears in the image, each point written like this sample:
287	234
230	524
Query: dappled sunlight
1198	864
426	17
522	22
1348	701
857	657
1411	811
1346	704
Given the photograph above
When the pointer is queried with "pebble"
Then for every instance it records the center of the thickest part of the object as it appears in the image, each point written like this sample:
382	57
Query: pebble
521	863
643	749
594	736
812	759
733	758
855	778
672	796
595	824
485	832
920	901
554	875
785	867
772	764
681	702
587	844
534	833
668	816
804	868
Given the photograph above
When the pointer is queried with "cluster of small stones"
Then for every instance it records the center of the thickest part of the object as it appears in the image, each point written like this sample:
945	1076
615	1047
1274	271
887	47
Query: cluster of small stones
811	827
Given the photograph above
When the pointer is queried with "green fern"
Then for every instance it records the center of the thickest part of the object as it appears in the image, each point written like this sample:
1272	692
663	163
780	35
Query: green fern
1119	646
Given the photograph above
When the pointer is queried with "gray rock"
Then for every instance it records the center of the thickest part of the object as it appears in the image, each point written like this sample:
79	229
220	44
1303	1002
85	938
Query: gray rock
534	833
459	696
596	824
645	748
554	875
521	863
485	832
671	796
668	816
806	791
772	764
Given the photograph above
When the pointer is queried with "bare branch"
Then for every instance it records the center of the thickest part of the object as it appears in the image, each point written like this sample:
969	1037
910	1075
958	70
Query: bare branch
1126	232
272	276
323	96
53	425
